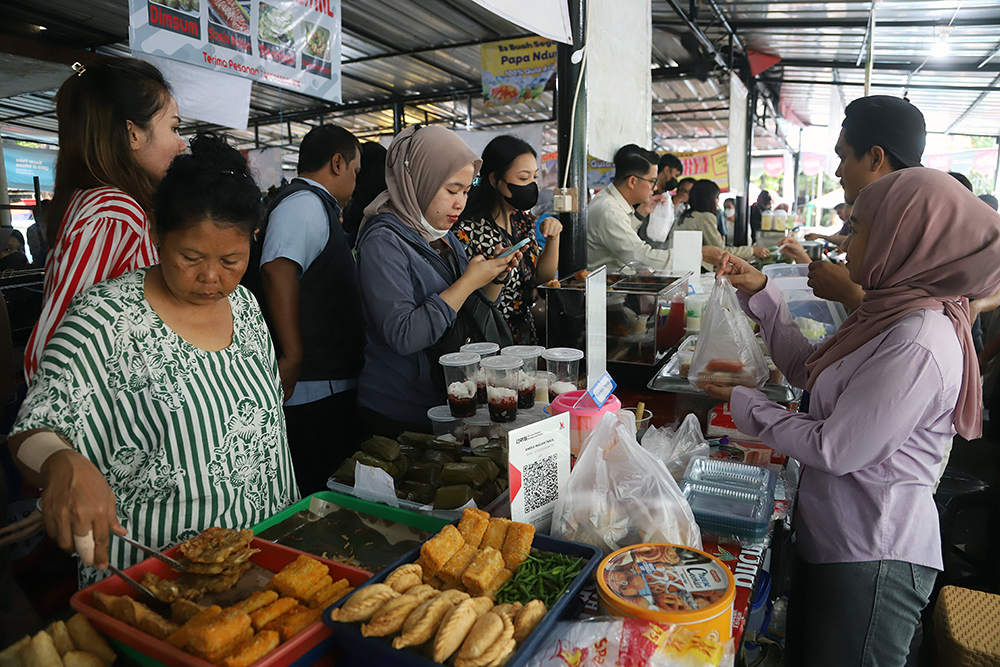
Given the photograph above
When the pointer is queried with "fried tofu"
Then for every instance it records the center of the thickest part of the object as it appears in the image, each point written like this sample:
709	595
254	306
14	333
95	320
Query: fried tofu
487	564
453	569
438	550
517	544
473	525
495	533
498	581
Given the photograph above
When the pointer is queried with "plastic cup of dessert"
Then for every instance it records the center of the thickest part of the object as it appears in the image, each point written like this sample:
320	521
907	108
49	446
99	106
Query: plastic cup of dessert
527	381
444	422
641	423
484	350
460	379
564	364
542	381
502	376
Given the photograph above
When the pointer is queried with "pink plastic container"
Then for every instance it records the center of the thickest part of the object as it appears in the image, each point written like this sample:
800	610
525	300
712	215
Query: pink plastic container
581	420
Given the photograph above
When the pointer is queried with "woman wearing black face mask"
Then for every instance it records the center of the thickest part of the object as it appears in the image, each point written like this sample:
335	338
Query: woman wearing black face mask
497	214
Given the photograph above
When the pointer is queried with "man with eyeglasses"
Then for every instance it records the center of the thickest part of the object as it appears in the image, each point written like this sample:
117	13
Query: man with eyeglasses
612	224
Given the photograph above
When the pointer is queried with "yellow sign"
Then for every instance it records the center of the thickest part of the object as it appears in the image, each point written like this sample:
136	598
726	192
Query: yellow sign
516	70
707	164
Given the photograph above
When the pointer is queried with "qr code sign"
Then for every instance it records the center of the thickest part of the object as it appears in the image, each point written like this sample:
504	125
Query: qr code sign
540	481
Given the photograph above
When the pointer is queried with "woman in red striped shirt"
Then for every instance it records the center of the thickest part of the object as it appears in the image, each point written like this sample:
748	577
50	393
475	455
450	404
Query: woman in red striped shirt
118	133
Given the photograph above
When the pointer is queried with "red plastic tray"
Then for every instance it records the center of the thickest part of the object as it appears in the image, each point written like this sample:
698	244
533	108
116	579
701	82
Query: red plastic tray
271	557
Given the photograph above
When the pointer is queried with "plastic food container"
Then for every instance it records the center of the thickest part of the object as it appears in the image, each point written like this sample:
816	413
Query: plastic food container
460	379
564	364
482	349
729	510
303	649
730	473
527	380
360	650
582	420
502	381
669	584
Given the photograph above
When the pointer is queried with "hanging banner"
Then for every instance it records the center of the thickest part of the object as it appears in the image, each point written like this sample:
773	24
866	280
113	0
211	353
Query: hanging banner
811	163
294	44
548	18
516	71
600	173
774	165
711	164
737	158
23	164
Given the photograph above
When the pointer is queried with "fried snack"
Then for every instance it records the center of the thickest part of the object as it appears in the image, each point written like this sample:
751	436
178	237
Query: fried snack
168	591
405	577
102	602
506	650
453	569
473	525
296	621
298	577
156	626
257	601
423	591
484	633
219	631
265	615
389	619
129	610
428	617
517	544
501	646
323	582
215	583
427	572
363	604
453	585
10	656
483	569
494	586
495	533
508	609
528	619
41	652
86	638
439	549
226	649
436	583
215	545
327	596
82	659
60	637
253	650
183	611
182	637
223	567
456	624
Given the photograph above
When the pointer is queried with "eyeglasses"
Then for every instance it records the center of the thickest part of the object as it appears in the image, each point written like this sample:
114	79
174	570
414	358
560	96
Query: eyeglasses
394	154
651	181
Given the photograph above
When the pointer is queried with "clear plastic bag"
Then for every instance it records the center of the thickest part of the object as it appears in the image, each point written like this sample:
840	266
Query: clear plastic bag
619	494
676	448
727	352
661	219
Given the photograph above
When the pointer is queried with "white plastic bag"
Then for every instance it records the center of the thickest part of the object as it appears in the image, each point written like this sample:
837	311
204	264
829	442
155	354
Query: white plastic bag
619	494
660	220
677	448
727	352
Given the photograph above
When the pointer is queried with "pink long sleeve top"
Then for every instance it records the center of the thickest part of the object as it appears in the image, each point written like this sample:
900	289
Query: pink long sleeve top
873	440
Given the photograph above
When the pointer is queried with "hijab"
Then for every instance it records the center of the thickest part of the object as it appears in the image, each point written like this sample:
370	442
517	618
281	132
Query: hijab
420	160
933	245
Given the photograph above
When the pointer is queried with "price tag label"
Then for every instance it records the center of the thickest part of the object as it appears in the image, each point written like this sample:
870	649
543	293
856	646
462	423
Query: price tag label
602	389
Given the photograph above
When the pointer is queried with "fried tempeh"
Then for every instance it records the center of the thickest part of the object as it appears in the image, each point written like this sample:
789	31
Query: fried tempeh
295	579
156	626
495	534
439	549
405	577
517	544
102	602
452	571
183	611
221	630
265	615
487	564
253	650
473	525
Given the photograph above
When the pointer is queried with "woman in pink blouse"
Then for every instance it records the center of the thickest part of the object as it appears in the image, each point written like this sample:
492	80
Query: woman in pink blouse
887	393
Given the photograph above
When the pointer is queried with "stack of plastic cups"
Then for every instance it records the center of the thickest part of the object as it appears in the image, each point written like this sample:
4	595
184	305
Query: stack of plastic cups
527	380
484	350
460	370
502	373
564	365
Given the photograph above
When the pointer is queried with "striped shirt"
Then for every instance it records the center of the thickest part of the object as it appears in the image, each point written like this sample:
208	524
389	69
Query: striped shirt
103	234
186	438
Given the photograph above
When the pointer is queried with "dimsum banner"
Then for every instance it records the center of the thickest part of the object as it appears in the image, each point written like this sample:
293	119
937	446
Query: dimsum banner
294	44
516	70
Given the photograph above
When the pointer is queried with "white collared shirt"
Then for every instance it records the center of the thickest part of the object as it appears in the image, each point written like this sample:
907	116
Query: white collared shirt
612	235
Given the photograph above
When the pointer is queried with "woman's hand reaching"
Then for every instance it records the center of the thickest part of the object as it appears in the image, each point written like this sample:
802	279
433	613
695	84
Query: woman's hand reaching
743	276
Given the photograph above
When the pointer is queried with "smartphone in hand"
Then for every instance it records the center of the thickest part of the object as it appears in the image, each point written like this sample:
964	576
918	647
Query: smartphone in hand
514	248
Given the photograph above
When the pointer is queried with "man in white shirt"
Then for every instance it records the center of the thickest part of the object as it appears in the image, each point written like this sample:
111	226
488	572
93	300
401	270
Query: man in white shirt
612	225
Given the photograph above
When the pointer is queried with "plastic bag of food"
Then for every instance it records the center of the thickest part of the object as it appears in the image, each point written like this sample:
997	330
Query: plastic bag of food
619	494
660	220
676	448
727	352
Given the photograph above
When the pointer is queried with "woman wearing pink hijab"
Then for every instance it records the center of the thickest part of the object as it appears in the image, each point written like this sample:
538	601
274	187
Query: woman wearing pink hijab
888	391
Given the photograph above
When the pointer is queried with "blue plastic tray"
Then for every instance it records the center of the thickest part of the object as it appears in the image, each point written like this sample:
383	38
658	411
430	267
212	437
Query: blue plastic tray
360	650
729	510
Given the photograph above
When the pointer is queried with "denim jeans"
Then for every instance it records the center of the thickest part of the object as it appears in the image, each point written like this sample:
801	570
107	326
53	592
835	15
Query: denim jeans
855	614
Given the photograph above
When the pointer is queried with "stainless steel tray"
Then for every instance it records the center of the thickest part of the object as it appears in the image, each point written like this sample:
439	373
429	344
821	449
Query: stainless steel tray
668	379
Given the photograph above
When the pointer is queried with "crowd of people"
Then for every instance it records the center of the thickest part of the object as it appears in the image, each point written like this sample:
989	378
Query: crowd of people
158	404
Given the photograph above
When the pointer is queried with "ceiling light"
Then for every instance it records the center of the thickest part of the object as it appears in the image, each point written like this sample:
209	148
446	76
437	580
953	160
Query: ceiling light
41	27
940	49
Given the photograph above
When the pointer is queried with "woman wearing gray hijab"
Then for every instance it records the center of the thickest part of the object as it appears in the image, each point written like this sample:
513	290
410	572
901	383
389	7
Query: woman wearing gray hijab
404	246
